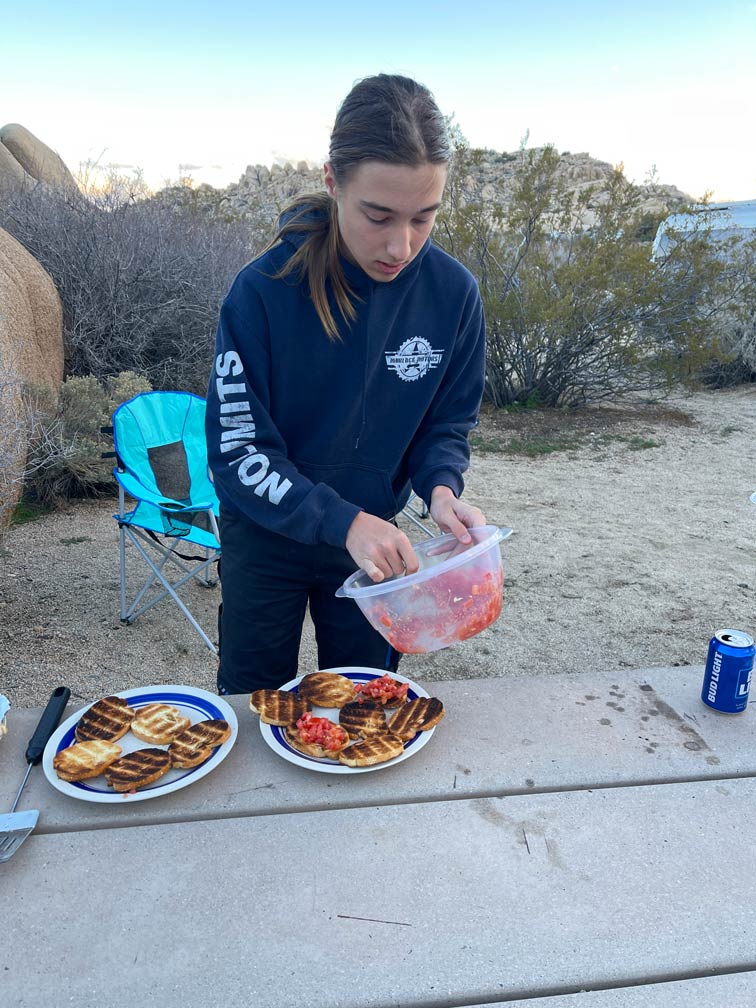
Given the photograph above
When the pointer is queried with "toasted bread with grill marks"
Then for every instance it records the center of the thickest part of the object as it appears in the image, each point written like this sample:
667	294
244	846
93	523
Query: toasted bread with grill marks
138	769
108	719
420	714
158	723
374	749
85	759
327	689
277	707
362	718
313	748
195	744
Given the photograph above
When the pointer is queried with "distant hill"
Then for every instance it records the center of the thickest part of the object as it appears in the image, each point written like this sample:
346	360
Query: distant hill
262	191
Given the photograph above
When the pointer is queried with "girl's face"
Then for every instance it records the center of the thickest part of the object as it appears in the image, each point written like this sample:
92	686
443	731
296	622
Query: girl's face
385	213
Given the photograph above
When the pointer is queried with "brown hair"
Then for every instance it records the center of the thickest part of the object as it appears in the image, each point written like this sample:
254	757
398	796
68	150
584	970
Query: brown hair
383	118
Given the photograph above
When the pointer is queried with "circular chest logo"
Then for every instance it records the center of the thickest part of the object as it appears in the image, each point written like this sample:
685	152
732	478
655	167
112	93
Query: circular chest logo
414	358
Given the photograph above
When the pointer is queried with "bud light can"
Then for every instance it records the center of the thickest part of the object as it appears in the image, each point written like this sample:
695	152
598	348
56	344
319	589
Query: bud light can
728	671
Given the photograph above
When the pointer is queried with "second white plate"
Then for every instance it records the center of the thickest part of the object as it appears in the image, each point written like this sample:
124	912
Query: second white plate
275	736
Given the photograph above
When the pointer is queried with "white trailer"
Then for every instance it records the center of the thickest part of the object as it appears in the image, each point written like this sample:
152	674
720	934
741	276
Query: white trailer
722	220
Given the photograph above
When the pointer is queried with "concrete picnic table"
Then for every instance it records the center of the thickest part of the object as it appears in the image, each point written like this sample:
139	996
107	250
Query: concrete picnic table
565	840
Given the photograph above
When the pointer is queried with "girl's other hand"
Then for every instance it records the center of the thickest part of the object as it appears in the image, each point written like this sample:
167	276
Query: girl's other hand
380	548
454	515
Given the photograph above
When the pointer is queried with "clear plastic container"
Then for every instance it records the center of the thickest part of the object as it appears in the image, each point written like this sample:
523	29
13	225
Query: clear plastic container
456	593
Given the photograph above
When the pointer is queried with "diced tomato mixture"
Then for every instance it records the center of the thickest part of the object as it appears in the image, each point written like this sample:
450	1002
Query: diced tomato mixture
463	610
320	731
382	690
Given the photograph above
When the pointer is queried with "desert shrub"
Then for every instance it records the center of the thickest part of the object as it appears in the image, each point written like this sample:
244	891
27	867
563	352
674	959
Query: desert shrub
740	340
732	326
140	281
65	439
576	308
124	386
735	363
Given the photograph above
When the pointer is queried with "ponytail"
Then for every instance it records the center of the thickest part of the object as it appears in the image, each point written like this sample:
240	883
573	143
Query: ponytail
317	260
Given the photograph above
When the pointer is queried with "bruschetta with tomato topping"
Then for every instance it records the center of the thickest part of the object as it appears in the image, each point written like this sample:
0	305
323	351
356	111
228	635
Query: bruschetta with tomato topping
384	690
317	736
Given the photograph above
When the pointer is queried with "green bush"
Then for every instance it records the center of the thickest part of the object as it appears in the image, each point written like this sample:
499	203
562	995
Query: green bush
576	308
65	439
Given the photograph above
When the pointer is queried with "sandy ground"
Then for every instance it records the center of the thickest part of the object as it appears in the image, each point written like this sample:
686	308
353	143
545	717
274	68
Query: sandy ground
632	545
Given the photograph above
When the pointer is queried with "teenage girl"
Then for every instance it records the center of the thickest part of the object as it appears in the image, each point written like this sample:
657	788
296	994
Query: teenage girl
349	368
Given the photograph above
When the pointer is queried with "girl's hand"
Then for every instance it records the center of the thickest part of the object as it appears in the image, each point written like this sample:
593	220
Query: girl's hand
380	548
454	515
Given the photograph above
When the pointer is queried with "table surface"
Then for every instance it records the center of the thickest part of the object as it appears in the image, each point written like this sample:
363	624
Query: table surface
569	841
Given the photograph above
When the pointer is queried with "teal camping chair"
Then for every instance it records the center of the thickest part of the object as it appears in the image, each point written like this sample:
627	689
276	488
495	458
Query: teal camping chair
161	455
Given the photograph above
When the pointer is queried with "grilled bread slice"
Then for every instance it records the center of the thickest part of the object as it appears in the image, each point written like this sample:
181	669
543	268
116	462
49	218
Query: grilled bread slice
109	719
318	737
277	707
158	723
85	759
420	714
385	690
138	769
327	689
194	745
371	750
362	718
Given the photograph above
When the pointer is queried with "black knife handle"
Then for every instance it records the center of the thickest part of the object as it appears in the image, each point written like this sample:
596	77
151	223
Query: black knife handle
49	721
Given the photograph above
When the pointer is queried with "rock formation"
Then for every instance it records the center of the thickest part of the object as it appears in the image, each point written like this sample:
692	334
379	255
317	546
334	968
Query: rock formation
31	354
261	192
12	175
25	159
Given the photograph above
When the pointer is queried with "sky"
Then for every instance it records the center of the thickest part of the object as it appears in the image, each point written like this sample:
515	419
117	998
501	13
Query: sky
204	89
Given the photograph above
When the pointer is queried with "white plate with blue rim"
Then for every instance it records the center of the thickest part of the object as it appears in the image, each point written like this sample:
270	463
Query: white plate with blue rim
196	704
276	738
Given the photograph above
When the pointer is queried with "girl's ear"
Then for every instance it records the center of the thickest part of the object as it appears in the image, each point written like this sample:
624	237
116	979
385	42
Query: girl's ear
329	179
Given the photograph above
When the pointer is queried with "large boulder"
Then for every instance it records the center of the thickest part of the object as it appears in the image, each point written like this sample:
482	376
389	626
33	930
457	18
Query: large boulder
12	175
31	354
35	158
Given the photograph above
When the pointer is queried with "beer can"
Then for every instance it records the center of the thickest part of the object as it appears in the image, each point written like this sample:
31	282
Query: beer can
728	671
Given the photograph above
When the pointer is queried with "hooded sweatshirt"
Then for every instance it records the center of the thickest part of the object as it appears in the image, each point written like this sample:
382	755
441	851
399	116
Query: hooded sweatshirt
304	432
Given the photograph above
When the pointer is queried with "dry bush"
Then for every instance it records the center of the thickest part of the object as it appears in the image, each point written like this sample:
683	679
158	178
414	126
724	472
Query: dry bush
140	282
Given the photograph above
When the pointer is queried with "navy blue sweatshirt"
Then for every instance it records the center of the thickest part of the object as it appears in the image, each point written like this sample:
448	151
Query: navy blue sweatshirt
304	432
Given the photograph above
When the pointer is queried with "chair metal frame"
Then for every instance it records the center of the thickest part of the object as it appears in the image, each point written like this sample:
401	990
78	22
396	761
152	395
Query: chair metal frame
416	513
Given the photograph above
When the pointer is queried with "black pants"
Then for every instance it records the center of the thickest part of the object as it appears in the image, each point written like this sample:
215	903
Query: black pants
267	582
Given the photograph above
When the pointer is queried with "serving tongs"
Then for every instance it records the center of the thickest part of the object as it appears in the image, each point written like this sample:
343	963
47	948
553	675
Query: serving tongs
15	827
